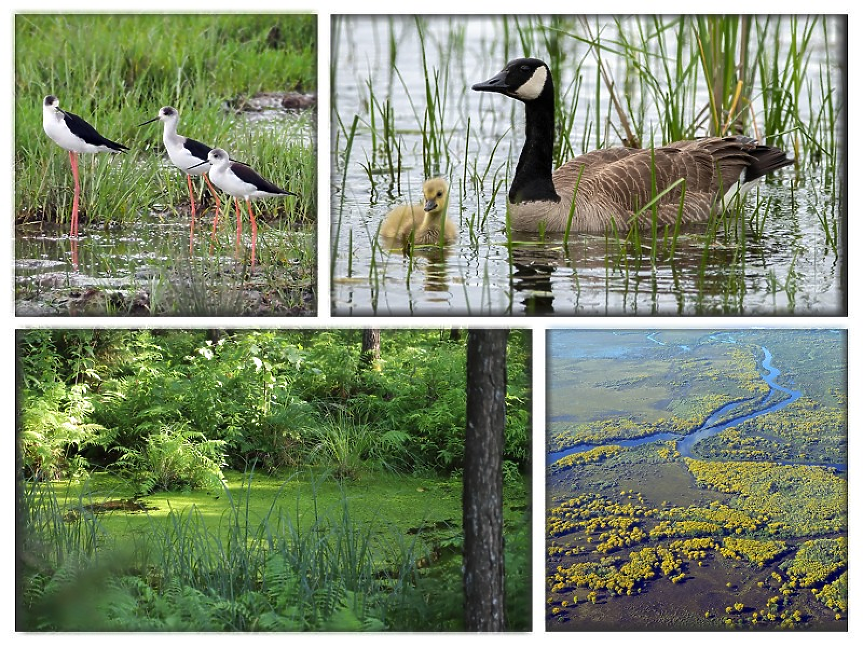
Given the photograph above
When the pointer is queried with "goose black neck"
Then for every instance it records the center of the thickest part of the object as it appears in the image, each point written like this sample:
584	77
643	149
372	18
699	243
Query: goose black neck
533	174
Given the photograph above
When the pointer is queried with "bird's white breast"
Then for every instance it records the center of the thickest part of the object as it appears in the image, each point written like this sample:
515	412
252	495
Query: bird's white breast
55	127
222	177
184	160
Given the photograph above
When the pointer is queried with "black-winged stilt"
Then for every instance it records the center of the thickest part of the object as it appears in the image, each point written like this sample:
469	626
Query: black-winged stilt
188	155
75	135
240	181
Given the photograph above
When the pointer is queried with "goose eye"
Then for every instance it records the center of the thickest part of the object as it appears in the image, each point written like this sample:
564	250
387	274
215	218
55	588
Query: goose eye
439	193
525	68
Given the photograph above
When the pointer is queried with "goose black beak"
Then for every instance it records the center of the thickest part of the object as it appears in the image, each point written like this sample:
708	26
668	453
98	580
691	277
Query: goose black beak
497	83
149	121
431	205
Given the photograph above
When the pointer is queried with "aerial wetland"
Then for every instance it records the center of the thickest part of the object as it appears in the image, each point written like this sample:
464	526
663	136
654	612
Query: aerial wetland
697	480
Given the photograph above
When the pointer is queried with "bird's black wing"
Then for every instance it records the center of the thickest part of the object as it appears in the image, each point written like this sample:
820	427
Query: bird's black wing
89	134
246	174
196	148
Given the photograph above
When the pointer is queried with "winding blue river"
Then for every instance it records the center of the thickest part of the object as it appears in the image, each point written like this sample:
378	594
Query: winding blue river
777	398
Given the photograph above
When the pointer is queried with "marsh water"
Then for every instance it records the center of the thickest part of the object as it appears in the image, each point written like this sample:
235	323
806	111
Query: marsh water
145	266
787	263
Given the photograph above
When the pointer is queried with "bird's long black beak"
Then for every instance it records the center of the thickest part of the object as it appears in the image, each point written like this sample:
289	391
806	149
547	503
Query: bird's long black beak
200	164
148	121
497	83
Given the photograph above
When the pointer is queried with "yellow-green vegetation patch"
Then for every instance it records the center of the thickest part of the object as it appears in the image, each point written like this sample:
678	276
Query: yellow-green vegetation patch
816	560
595	455
626	579
716	518
835	595
794	499
805	430
756	551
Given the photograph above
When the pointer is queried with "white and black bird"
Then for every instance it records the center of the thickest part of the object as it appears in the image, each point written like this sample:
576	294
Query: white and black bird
72	133
240	181
190	156
612	186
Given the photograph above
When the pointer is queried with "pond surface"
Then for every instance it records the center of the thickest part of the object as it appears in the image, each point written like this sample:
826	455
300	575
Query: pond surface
385	142
145	267
149	265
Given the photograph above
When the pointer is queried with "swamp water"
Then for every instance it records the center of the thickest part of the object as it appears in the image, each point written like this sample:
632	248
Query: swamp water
402	110
145	267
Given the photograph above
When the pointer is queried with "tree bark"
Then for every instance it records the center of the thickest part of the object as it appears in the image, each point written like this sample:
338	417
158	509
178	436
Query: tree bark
371	351
483	481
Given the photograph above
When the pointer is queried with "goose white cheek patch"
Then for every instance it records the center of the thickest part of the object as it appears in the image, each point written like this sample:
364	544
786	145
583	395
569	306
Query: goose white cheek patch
532	88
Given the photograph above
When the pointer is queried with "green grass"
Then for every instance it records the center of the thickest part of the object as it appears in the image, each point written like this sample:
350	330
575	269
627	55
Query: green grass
116	87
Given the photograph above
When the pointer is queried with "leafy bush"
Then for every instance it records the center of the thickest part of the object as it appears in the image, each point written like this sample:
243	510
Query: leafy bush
53	421
271	397
52	430
173	459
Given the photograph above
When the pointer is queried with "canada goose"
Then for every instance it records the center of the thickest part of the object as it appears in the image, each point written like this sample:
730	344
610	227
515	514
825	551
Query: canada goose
617	182
423	219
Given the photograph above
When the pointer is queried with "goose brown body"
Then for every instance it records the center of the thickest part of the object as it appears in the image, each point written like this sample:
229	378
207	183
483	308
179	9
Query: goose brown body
425	219
613	186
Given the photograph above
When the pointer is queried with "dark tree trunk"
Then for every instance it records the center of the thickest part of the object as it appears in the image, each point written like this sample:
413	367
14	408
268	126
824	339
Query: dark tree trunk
371	351
483	480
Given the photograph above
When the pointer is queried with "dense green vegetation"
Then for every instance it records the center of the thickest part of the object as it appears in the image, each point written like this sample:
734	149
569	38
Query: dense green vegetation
265	480
750	534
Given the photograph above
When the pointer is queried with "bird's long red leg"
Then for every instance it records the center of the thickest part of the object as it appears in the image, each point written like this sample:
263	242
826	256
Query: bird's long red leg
254	231
192	227
73	230
239	225
218	204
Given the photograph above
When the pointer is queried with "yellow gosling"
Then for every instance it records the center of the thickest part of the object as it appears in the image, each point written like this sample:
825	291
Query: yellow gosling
423	219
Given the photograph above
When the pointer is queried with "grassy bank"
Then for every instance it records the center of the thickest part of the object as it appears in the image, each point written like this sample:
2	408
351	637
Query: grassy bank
116	71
